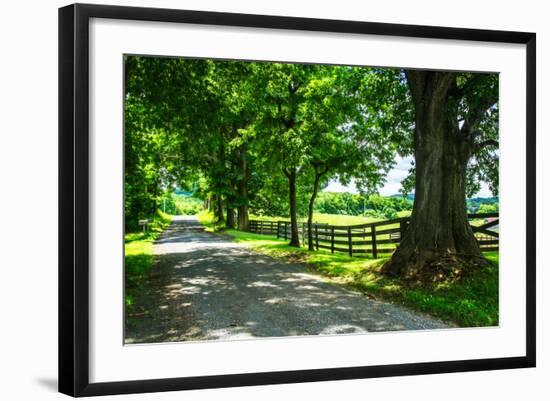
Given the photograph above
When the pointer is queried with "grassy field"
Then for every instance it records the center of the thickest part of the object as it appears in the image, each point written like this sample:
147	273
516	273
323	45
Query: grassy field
138	255
331	219
470	302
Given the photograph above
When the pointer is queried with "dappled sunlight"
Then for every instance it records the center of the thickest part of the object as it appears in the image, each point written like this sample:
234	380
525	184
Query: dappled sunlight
306	287
208	287
302	277
262	284
172	247
275	300
343	329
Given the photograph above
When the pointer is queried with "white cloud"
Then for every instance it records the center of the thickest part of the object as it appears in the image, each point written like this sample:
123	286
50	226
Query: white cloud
484	191
335	186
393	181
396	175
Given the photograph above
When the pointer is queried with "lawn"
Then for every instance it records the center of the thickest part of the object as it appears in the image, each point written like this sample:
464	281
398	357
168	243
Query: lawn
469	302
138	255
331	219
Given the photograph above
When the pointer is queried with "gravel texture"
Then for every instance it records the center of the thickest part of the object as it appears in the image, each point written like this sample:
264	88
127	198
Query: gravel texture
204	286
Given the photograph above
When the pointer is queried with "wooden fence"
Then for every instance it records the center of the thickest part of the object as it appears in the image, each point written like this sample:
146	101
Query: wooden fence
381	237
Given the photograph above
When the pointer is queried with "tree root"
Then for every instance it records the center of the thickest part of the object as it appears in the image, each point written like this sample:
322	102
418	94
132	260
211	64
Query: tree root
433	266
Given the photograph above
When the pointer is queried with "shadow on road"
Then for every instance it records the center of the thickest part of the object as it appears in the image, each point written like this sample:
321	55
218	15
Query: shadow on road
206	287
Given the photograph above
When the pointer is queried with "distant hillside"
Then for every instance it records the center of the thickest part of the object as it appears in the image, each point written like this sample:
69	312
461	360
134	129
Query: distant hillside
473	204
182	192
489	204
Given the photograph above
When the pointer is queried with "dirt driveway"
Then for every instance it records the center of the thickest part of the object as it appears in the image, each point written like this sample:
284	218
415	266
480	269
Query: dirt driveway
204	286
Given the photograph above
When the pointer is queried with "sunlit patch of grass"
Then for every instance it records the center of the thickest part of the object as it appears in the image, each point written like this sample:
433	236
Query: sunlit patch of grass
138	255
138	259
342	220
322	218
161	221
470	302
270	218
209	221
332	219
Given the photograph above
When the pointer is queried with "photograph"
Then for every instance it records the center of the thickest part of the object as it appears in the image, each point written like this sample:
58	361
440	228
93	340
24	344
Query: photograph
267	199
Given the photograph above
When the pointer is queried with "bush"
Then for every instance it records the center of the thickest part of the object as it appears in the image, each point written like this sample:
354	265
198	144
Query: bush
488	208
389	213
180	204
375	206
210	221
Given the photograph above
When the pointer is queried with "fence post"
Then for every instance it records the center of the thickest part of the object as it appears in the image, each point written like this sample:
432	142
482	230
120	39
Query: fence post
316	236
373	235
349	242
261	227
285	229
278	228
332	239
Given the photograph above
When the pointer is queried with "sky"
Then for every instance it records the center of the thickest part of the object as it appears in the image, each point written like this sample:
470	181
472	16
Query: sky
393	181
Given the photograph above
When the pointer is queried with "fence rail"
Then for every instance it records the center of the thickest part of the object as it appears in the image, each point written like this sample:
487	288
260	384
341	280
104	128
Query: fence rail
380	237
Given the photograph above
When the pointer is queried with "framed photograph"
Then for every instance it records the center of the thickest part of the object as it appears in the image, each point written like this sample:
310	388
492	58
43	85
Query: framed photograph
251	199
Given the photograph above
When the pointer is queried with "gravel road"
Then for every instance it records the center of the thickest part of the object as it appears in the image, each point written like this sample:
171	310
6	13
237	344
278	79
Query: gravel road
204	286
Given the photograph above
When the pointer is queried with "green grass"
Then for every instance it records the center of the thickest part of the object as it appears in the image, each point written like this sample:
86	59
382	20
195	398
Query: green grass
331	219
322	218
209	221
138	255
471	302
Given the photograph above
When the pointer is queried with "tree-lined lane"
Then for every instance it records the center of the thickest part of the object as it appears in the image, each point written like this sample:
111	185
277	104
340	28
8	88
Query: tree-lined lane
204	286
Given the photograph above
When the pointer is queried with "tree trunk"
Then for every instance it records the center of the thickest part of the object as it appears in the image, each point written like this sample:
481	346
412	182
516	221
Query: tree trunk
318	176
439	235
294	237
230	220
210	203
242	217
242	192
219	208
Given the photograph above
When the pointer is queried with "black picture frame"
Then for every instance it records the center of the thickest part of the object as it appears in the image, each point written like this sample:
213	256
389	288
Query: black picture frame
74	198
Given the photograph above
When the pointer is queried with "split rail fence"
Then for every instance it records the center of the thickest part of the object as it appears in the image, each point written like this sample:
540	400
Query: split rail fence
381	237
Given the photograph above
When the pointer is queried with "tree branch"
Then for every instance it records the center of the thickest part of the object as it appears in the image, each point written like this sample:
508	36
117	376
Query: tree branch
292	87
459	92
484	144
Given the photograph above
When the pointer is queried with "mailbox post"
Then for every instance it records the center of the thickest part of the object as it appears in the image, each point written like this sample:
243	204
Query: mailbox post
144	223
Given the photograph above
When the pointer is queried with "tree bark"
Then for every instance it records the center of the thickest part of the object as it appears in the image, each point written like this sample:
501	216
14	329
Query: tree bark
294	236
219	208
439	233
242	192
154	195
210	203
230	220
318	175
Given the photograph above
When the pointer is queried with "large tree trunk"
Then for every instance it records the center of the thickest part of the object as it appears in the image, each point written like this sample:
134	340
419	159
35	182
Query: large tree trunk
210	204
439	235
294	237
219	208
318	176
242	217
230	220
242	192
